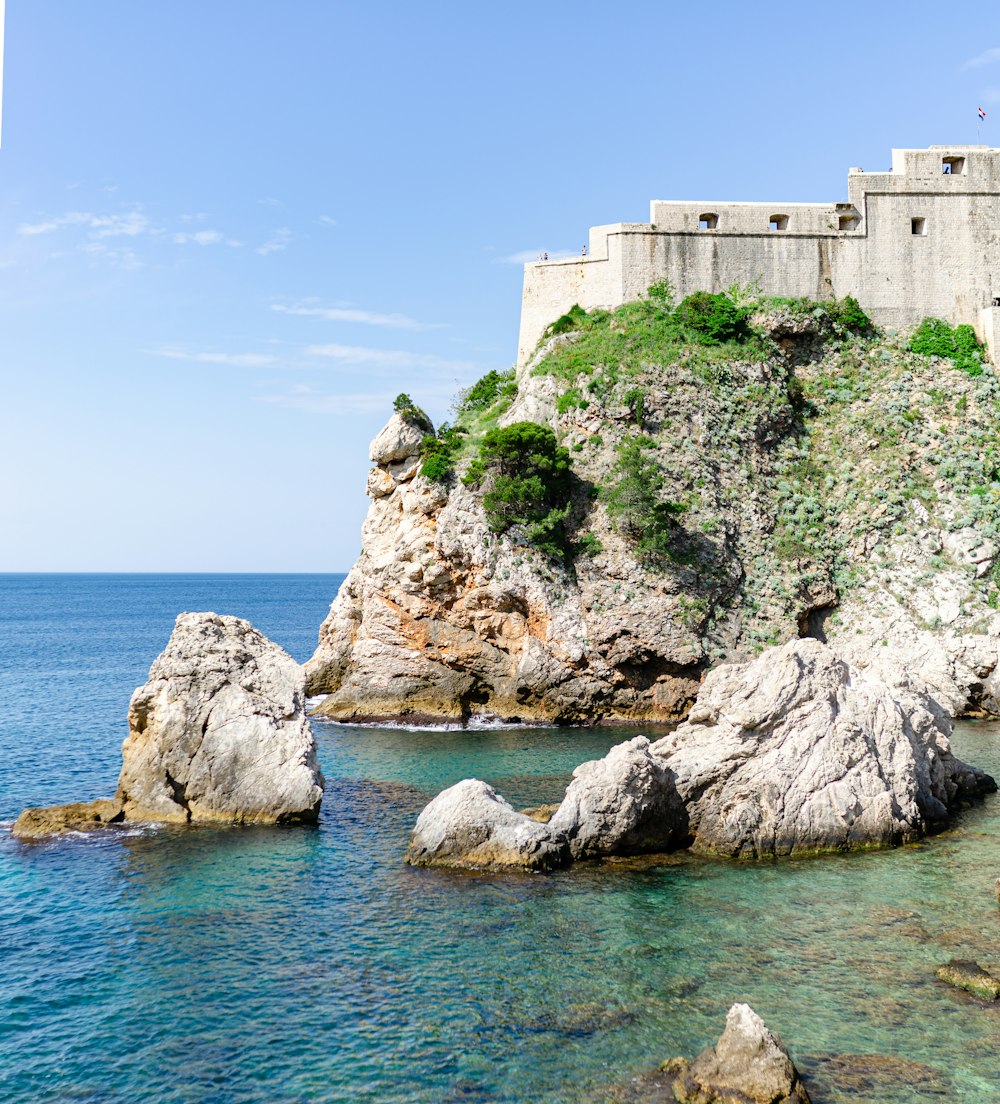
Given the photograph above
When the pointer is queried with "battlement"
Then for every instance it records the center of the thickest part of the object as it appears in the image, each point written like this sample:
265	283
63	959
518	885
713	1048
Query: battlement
921	238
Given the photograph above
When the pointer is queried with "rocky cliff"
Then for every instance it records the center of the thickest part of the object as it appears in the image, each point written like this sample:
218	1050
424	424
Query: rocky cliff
811	477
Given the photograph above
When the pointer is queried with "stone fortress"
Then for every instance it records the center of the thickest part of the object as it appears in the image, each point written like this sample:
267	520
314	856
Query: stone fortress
921	239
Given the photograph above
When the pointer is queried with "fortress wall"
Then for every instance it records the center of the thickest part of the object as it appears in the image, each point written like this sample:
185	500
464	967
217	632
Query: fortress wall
951	271
743	218
783	263
948	265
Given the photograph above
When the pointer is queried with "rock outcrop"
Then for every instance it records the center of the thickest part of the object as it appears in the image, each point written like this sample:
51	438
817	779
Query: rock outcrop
217	734
838	486
798	752
219	731
471	826
78	816
623	804
748	1064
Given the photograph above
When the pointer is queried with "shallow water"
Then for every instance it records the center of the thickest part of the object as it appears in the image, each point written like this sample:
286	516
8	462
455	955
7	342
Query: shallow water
251	965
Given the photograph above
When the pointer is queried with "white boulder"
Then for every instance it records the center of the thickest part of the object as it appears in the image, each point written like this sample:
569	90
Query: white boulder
797	751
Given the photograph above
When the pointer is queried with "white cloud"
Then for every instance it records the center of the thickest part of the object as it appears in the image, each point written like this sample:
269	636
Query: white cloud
270	201
363	356
526	256
278	241
238	360
327	220
987	57
353	314
73	218
203	237
130	224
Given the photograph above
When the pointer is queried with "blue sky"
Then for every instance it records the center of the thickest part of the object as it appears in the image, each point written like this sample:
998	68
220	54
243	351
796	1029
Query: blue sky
232	230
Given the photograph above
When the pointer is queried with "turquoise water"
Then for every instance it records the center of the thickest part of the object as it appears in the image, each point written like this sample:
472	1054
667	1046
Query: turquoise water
289	965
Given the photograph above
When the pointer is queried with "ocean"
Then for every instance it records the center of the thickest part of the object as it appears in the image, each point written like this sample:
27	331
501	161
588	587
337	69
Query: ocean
248	965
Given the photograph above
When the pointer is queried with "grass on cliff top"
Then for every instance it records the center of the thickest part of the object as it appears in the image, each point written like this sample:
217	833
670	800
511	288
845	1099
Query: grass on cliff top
705	329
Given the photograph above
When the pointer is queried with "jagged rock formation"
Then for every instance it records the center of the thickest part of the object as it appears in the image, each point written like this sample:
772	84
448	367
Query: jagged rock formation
219	731
797	752
625	803
832	485
793	753
217	734
749	1064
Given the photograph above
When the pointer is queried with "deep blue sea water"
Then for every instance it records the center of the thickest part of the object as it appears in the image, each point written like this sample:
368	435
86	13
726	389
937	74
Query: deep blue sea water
294	965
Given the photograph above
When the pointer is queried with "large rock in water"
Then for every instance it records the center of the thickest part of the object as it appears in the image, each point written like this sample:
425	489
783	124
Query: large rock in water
748	1064
471	826
217	734
625	803
219	731
797	751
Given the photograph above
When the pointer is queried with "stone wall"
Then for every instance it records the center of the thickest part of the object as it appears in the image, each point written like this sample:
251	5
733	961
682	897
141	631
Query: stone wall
908	243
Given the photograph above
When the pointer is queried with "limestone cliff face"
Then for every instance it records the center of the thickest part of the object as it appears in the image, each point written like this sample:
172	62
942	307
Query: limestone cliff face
440	619
831	486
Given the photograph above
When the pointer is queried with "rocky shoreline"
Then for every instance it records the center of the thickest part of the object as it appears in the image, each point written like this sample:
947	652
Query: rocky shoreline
795	753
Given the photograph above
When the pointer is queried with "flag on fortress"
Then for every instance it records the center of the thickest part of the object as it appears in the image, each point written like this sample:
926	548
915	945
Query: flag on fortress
982	114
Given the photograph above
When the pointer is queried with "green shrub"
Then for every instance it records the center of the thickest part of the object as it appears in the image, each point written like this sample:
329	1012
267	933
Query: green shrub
525	478
408	409
589	545
662	293
847	312
438	452
934	337
571	320
713	317
635	400
485	392
571	400
634	500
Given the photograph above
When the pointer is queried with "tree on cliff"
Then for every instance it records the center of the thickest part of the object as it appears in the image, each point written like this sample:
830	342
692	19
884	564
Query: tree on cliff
525	478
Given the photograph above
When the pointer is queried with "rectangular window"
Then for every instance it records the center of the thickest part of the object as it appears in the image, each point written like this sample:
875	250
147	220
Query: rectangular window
778	222
918	226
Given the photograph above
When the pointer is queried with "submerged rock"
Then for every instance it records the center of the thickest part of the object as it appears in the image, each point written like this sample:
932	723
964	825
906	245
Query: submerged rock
471	826
219	731
748	1063
971	977
797	752
217	734
79	816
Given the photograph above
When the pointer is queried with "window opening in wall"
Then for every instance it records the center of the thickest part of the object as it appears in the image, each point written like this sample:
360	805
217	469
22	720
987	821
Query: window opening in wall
708	221
848	222
778	222
996	300
952	166
918	226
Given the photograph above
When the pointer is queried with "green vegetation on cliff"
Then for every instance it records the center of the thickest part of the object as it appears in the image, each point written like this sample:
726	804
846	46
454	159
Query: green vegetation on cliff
753	457
525	479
